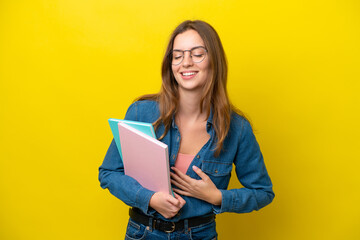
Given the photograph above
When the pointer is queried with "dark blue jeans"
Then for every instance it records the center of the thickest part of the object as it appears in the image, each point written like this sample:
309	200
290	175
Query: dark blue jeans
137	231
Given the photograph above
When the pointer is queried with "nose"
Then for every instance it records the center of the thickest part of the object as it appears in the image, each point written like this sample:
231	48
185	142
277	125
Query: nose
187	61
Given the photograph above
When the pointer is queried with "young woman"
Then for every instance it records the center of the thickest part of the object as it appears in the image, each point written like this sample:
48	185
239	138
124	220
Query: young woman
206	136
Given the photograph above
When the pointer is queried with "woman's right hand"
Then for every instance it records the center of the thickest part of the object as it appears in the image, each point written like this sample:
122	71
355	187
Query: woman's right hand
165	204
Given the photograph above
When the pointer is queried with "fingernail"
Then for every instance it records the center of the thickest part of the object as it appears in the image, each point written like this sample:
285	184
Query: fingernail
195	167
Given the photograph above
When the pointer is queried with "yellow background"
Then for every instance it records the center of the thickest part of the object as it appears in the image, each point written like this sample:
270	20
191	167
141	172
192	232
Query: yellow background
67	66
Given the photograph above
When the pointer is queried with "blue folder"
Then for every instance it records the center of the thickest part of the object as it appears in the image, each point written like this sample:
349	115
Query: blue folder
144	127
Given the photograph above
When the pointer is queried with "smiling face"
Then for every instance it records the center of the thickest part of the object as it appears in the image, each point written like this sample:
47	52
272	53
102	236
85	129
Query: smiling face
189	75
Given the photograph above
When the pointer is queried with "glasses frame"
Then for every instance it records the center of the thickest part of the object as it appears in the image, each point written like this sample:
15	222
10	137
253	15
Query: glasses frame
183	54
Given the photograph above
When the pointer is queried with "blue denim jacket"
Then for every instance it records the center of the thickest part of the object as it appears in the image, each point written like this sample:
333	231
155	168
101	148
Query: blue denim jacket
240	149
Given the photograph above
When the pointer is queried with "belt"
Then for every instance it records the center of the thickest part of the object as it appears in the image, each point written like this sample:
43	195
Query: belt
166	226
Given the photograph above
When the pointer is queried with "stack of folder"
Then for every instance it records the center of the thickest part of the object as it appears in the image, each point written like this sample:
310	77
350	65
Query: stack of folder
145	158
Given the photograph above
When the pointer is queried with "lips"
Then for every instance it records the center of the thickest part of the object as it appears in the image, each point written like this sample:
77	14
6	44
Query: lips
188	74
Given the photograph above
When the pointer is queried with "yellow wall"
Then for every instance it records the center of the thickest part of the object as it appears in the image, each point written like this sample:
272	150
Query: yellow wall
67	66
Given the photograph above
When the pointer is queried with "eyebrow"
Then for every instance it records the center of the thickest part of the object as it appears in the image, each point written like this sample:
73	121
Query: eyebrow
189	49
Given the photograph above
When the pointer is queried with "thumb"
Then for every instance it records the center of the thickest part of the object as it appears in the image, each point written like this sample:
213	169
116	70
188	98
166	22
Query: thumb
182	201
172	200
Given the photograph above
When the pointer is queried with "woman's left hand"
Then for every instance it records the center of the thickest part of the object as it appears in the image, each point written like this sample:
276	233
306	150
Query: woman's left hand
203	189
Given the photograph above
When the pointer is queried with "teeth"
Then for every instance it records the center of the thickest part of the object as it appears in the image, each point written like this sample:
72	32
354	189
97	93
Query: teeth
188	73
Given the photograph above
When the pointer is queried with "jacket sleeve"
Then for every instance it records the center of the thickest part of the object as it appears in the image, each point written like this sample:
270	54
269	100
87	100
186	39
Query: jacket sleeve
252	174
112	177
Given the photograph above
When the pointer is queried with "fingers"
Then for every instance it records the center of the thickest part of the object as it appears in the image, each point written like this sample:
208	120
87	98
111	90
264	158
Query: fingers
182	201
178	201
181	177
175	204
182	192
200	173
180	181
186	185
173	201
166	205
186	178
179	173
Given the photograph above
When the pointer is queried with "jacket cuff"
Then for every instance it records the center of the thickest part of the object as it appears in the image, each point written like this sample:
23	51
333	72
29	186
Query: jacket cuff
226	202
143	197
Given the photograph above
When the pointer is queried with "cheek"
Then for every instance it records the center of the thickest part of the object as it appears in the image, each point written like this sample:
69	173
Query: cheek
174	70
207	71
205	66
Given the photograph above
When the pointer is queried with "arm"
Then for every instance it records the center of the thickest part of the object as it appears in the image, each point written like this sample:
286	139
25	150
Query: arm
127	189
112	176
252	174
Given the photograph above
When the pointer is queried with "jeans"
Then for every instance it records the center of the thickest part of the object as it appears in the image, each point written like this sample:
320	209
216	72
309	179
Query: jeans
137	231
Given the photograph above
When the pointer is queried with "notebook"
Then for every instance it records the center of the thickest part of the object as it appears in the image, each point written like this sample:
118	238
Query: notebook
145	159
146	128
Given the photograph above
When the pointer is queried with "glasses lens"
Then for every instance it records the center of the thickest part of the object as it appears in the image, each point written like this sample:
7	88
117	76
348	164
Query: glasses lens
198	54
177	57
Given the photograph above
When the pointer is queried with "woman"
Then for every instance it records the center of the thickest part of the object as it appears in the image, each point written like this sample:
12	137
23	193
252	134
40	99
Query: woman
205	134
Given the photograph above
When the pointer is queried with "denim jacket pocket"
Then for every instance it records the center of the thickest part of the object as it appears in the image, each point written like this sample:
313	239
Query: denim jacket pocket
219	172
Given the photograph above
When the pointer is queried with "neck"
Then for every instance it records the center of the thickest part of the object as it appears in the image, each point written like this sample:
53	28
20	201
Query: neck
189	105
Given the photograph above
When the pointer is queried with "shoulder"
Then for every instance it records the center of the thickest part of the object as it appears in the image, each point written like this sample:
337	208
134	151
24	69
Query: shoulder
145	104
239	121
143	110
240	125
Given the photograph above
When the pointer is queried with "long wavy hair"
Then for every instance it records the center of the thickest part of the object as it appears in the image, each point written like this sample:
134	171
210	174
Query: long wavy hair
214	93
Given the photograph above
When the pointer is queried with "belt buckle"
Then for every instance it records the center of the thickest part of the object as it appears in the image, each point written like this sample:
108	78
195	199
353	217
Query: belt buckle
172	228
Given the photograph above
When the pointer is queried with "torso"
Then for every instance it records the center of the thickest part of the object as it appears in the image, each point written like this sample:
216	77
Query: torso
193	136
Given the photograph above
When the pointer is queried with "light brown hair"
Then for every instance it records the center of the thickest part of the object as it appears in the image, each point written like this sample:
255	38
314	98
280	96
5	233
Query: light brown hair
214	95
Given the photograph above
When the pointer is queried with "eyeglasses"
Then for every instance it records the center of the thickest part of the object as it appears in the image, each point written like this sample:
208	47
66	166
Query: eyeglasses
197	54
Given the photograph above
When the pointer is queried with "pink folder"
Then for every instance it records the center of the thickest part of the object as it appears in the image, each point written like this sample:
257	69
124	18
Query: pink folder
145	159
